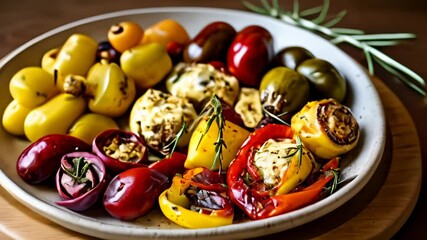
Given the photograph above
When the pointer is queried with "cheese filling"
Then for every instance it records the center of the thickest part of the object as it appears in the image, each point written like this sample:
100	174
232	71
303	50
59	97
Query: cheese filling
273	159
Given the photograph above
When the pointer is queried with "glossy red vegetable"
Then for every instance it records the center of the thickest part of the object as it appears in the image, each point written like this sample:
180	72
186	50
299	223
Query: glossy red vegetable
250	54
258	203
210	44
42	158
80	180
120	150
132	193
170	166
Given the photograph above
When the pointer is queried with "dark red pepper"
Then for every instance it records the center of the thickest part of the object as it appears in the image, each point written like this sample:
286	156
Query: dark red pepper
42	158
170	166
132	193
256	203
250	54
105	143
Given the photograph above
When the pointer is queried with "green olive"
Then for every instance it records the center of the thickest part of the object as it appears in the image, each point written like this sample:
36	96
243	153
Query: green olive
284	89
324	78
291	57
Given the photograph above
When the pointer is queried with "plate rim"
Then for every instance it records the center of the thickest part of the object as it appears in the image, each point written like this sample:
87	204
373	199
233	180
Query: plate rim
229	231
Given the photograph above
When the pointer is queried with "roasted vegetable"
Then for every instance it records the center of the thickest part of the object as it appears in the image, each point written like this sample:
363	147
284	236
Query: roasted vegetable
75	57
55	116
42	158
327	128
158	117
109	90
147	64
249	107
284	90
32	86
166	31
250	54
210	44
89	125
125	35
80	180
265	172
14	117
198	199
291	57
120	150
132	193
199	82
324	78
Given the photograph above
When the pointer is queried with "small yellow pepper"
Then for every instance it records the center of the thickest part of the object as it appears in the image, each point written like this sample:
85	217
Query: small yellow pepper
32	86
201	149
165	31
55	116
177	206
326	127
75	57
89	125
147	64
13	118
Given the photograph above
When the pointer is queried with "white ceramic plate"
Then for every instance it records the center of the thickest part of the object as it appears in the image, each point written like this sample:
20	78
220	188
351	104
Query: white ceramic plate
362	161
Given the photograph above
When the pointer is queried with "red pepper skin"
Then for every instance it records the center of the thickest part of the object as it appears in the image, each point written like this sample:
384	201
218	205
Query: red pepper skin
113	164
132	193
170	166
250	54
259	205
42	158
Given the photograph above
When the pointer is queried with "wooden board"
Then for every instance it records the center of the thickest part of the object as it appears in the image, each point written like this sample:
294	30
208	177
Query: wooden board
377	212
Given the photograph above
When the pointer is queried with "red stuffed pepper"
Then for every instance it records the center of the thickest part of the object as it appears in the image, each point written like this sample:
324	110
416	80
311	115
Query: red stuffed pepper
265	177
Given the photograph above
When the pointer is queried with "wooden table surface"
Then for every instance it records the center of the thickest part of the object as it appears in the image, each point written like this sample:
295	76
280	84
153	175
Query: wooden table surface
21	20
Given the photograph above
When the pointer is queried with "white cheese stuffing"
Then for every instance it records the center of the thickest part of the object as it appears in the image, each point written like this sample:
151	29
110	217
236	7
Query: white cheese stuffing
249	107
199	82
272	159
159	116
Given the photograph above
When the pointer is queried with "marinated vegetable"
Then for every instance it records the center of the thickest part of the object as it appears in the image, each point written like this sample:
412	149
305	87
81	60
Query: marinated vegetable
132	193
89	125
199	82
250	54
158	117
198	199
80	180
324	79
210	44
41	159
268	166
125	35
327	128
249	107
283	90
147	64
14	117
55	116
166	31
291	57
120	150
32	86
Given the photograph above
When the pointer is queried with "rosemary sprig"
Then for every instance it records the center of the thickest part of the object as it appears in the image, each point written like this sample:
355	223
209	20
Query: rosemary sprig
214	110
276	117
175	141
316	20
78	172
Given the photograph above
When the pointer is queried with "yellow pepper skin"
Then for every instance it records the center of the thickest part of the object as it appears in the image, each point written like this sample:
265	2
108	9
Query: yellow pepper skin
76	57
55	116
32	86
175	205
114	91
147	64
327	128
48	60
13	118
201	151
89	125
